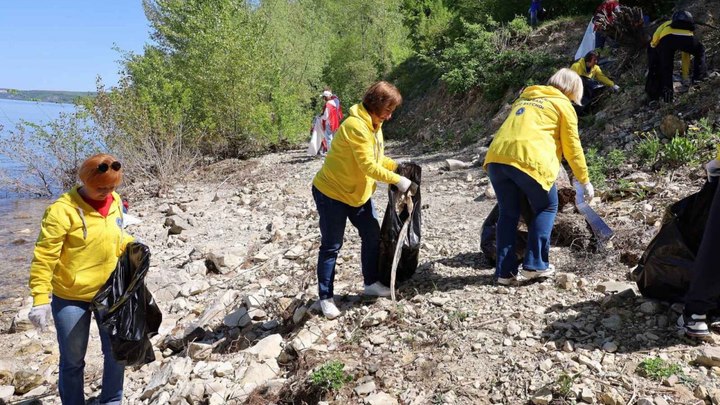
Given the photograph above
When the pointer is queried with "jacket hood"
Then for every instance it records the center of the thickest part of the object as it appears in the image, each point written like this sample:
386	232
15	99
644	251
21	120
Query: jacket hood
359	111
542	92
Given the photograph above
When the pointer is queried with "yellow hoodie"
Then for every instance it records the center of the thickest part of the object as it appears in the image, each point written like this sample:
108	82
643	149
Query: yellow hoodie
355	161
595	73
541	128
665	29
77	249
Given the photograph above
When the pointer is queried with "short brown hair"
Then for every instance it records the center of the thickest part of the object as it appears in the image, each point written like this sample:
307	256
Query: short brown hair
381	96
91	175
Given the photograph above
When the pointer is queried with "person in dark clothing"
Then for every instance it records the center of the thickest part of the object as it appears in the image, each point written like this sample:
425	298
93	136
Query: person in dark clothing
670	37
704	293
535	9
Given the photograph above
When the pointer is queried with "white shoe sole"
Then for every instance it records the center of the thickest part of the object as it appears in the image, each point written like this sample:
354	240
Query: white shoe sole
528	274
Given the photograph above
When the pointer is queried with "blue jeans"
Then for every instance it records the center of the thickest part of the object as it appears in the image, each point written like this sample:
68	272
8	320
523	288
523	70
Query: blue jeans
333	217
511	185
533	18
72	321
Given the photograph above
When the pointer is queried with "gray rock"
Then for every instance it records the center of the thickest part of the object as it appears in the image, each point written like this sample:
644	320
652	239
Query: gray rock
709	357
611	397
512	328
645	401
267	348
306	338
380	398
199	351
25	381
610	347
542	397
239	317
613	322
611	287
194	287
366	388
650	307
6	392
260	373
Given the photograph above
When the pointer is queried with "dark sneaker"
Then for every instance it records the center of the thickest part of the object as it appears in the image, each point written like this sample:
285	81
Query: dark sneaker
531	274
694	326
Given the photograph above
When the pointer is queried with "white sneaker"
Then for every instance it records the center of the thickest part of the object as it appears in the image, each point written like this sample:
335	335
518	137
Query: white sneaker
531	274
329	309
377	289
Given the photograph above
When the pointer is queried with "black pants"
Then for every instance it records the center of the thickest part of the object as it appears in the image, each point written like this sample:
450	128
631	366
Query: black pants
704	292
591	89
662	58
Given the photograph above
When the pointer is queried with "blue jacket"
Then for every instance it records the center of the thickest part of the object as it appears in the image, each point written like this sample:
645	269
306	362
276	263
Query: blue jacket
535	6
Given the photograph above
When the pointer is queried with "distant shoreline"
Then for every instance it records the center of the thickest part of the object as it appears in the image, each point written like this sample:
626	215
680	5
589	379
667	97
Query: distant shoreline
46	96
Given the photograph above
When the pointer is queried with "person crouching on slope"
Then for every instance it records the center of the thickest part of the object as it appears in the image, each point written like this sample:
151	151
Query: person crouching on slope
591	76
343	187
523	161
81	238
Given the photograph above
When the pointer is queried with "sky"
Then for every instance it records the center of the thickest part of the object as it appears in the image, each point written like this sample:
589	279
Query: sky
66	44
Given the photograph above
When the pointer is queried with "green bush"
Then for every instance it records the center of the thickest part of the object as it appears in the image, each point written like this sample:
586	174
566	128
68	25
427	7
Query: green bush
596	167
615	159
330	376
648	149
678	151
656	368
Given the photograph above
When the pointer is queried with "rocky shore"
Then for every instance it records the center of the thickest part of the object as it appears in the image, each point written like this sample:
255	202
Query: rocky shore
233	270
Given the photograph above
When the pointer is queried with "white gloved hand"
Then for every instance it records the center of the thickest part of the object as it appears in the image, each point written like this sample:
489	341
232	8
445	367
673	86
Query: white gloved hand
616	88
713	168
404	184
587	189
39	316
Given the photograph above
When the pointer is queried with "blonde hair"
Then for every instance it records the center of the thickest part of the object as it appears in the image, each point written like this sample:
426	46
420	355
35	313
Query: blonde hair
569	83
91	174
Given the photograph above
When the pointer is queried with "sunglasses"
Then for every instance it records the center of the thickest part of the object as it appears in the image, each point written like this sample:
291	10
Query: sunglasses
104	167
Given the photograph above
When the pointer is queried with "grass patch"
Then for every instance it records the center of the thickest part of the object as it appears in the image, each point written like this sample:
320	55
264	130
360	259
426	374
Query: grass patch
330	376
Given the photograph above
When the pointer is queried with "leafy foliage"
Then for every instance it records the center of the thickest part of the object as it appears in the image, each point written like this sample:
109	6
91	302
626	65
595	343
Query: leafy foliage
656	368
330	376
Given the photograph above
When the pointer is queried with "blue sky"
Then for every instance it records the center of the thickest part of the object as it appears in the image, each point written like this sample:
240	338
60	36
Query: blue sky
65	44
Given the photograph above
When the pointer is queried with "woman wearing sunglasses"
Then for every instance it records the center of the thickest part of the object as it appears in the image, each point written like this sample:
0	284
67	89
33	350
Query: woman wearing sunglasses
81	238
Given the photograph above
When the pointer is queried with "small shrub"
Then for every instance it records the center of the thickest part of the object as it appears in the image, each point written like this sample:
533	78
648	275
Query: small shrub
648	149
330	376
596	167
614	160
564	384
679	151
656	368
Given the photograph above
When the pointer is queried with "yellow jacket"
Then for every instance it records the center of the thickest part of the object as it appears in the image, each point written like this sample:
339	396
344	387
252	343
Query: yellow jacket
355	161
542	128
77	249
665	29
595	73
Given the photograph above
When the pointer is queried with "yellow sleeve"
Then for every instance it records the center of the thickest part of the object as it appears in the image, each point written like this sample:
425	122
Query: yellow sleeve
362	149
685	65
598	73
53	231
389	164
570	141
578	67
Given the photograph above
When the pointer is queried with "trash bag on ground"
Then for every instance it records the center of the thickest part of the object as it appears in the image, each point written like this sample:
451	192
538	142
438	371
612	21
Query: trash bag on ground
488	236
391	226
127	310
665	268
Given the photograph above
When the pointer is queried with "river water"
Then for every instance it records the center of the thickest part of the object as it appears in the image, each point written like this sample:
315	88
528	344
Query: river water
20	215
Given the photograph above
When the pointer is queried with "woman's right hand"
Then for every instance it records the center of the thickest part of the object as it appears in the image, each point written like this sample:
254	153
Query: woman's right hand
406	184
39	316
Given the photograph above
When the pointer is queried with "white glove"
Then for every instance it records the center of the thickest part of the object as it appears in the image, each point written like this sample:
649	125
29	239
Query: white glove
404	184
588	190
39	316
616	88
713	168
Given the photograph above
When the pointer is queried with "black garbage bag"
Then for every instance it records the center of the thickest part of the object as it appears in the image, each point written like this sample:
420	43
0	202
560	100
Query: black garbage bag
488	236
127	310
390	230
665	268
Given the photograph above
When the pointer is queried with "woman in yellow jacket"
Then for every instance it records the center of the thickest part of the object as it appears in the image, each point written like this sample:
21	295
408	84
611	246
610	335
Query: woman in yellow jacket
523	162
81	237
343	187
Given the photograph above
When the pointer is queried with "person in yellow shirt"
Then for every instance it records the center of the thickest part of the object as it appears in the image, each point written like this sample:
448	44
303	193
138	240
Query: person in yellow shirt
678	34
593	79
343	188
81	238
523	161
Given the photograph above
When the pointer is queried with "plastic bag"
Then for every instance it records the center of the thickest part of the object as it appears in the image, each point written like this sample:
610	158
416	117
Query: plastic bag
665	268
390	231
488	236
127	310
317	137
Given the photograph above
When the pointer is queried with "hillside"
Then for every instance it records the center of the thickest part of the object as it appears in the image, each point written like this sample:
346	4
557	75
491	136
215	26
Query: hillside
47	96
